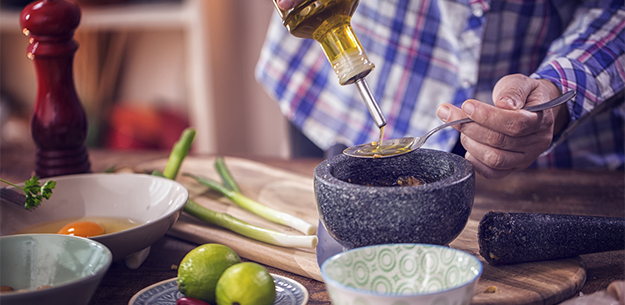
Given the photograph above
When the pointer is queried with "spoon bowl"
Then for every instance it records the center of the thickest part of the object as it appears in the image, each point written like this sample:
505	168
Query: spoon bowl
400	146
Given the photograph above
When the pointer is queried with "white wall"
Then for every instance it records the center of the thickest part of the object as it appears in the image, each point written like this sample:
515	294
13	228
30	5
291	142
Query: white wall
249	120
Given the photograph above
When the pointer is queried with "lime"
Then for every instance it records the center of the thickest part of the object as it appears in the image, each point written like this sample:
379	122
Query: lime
201	268
246	284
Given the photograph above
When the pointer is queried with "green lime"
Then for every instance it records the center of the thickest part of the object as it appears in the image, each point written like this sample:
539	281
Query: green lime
201	268
246	284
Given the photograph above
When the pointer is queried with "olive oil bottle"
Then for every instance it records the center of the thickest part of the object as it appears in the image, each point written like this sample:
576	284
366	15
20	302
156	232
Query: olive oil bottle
329	23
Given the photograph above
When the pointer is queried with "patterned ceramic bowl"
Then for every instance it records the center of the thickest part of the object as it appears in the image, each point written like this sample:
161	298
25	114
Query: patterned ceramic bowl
401	274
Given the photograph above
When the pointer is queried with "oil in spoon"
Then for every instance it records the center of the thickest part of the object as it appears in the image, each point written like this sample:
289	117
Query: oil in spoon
381	138
403	145
377	149
378	145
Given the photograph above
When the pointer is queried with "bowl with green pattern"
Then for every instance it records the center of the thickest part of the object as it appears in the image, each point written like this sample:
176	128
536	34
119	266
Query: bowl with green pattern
401	274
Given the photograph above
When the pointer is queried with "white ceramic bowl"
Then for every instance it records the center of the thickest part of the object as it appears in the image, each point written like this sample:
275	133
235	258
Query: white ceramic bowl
72	266
154	202
401	274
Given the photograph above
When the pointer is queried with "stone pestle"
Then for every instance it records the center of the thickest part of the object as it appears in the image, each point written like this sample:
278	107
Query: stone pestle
508	238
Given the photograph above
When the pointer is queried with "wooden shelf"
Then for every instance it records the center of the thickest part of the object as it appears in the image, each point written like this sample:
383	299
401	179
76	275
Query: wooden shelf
158	15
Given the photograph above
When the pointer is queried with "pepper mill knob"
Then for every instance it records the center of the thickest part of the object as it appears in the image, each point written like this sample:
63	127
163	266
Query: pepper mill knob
58	123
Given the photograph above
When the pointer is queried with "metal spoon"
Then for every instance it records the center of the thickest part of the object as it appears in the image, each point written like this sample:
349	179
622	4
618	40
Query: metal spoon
397	147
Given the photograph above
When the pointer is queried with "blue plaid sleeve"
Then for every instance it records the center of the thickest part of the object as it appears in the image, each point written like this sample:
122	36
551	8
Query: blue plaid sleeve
589	58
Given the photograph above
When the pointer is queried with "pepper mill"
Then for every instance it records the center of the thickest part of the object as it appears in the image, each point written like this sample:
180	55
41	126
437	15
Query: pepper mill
58	123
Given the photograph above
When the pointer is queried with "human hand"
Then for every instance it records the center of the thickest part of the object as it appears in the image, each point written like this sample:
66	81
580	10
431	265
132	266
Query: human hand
288	4
504	138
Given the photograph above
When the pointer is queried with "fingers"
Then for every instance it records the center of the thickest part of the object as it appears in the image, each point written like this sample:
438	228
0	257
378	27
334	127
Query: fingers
483	134
500	141
502	137
493	156
486	171
494	123
509	122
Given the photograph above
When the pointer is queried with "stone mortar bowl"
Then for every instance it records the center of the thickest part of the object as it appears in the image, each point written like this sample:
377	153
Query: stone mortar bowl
358	210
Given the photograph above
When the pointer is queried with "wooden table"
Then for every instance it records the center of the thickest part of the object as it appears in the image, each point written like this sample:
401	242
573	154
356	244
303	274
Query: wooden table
598	193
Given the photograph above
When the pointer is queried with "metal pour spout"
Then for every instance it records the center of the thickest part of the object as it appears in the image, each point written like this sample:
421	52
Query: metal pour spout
372	105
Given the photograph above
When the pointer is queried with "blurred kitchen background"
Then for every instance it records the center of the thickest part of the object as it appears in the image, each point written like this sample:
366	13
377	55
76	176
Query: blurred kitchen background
146	69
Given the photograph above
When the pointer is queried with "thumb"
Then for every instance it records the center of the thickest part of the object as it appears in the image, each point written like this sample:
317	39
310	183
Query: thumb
511	91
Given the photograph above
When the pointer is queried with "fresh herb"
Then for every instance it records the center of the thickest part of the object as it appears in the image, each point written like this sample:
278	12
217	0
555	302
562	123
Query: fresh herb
35	192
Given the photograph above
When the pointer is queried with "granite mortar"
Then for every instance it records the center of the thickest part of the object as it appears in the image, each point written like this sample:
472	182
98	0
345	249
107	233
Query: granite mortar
357	212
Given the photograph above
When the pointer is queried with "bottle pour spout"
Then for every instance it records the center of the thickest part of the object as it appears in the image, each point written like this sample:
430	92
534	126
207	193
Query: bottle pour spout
372	105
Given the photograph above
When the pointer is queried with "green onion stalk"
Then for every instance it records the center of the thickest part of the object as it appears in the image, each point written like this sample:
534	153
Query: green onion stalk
243	228
179	152
258	208
252	205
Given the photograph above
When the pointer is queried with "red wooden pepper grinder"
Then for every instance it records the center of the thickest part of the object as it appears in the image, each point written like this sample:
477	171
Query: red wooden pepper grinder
59	122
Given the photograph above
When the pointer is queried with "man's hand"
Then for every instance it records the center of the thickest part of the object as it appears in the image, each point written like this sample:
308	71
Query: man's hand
504	138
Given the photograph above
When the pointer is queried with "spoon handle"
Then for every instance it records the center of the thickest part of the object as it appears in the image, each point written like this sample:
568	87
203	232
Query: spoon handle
550	104
436	129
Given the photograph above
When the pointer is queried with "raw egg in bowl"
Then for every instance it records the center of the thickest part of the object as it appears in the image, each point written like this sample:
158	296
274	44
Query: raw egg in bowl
82	229
124	212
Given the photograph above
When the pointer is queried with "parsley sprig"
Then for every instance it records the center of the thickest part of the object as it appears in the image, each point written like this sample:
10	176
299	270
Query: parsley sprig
35	192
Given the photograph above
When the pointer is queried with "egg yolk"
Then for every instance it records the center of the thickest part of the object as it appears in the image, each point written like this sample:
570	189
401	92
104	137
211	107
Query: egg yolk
82	229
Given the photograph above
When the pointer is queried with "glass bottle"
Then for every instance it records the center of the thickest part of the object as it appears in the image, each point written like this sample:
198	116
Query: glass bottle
329	23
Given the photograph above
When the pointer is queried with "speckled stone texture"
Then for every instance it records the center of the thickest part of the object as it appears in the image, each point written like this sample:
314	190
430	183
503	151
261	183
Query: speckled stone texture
356	212
507	238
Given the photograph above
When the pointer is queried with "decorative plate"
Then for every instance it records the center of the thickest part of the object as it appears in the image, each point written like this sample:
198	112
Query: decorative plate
288	292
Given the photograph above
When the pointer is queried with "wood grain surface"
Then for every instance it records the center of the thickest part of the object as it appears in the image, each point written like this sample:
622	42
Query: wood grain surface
546	282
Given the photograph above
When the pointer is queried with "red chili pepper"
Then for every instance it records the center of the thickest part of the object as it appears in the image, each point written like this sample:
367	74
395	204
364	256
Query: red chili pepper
190	301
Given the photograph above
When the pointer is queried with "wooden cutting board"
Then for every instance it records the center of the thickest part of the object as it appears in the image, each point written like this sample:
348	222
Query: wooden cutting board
546	282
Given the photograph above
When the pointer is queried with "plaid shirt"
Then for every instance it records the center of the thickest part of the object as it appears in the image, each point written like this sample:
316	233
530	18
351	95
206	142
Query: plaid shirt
431	52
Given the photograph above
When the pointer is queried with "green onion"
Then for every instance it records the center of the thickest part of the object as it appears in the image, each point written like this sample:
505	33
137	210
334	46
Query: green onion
258	208
248	230
224	173
178	153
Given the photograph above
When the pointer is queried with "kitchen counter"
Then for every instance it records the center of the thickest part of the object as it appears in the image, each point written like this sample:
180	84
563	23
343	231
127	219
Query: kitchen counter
597	193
